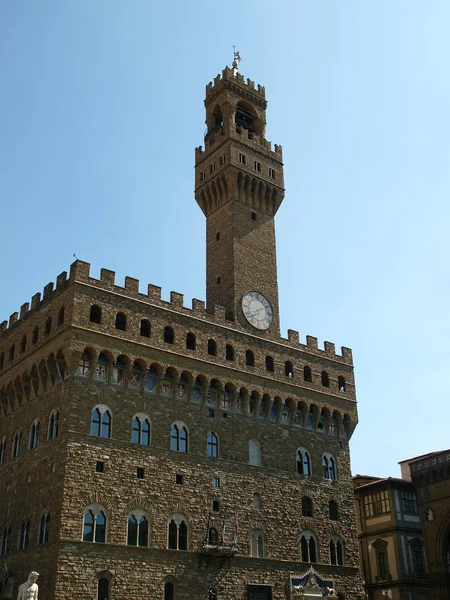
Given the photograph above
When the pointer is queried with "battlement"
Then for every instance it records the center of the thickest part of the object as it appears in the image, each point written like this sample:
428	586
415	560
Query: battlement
80	273
234	76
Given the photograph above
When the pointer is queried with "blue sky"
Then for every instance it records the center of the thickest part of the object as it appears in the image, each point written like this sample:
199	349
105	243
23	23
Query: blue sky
101	109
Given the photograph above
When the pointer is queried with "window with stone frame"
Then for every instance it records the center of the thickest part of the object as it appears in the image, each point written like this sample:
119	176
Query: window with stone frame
377	504
169	591
256	501
308	547
145	328
258	549
34	435
2	451
333	511
94	524
191	341
6	539
336	551
177	533
17	444
179	438
382	559
417	556
53	425
138	529
101	421
140	430
103	589
328	466
44	528
254	454
408	502
24	534
212	445
307	507
95	315
303	462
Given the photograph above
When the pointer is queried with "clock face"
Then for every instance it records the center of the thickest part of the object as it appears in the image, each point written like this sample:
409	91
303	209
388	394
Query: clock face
257	310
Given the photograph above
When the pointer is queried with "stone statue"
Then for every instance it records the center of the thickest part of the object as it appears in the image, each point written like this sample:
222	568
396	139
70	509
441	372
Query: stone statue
29	590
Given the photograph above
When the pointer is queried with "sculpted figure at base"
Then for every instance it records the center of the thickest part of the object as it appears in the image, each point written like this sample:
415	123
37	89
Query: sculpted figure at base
29	590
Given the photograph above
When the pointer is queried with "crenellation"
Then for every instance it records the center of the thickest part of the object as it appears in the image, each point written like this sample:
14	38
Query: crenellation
48	289
293	336
198	305
176	299
329	348
347	354
132	285
312	342
61	280
35	300
108	277
154	292
13	319
219	312
24	309
3	326
231	75
80	271
250	84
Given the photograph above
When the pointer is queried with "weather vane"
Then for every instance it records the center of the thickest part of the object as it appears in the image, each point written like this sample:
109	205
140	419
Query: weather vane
237	57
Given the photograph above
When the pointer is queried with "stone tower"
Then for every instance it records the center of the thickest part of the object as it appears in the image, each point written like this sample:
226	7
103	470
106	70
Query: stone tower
239	187
154	449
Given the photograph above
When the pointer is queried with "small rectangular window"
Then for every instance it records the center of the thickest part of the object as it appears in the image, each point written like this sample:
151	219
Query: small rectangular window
257	166
224	415
100	466
212	167
217	279
202	175
217	236
222	159
272	174
179	479
216	506
211	412
253	215
140	473
242	158
216	482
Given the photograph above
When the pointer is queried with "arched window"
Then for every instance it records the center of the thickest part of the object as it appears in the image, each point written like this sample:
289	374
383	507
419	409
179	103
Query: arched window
310	420
249	358
256	501
270	366
140	431
6	538
61	315
307	507
169	592
333	510
179	438
212	347
44	527
341	384
308	547
12	351
336	551
145	328
257	544
191	341
95	315
325	379
121	321
213	445
137	529
2	451
53	425
329	467
103	589
168	335
23	344
288	369
34	435
101	422
48	326
35	335
213	538
303	462
254	455
17	443
307	375
24	534
94	525
229	352
177	533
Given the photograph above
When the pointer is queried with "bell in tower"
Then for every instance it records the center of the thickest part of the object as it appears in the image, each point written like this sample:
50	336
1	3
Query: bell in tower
239	187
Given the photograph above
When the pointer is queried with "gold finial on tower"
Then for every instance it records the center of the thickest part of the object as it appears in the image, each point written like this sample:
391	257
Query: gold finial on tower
237	59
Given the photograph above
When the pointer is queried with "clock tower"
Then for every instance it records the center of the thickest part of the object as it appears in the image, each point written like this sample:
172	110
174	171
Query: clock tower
239	187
